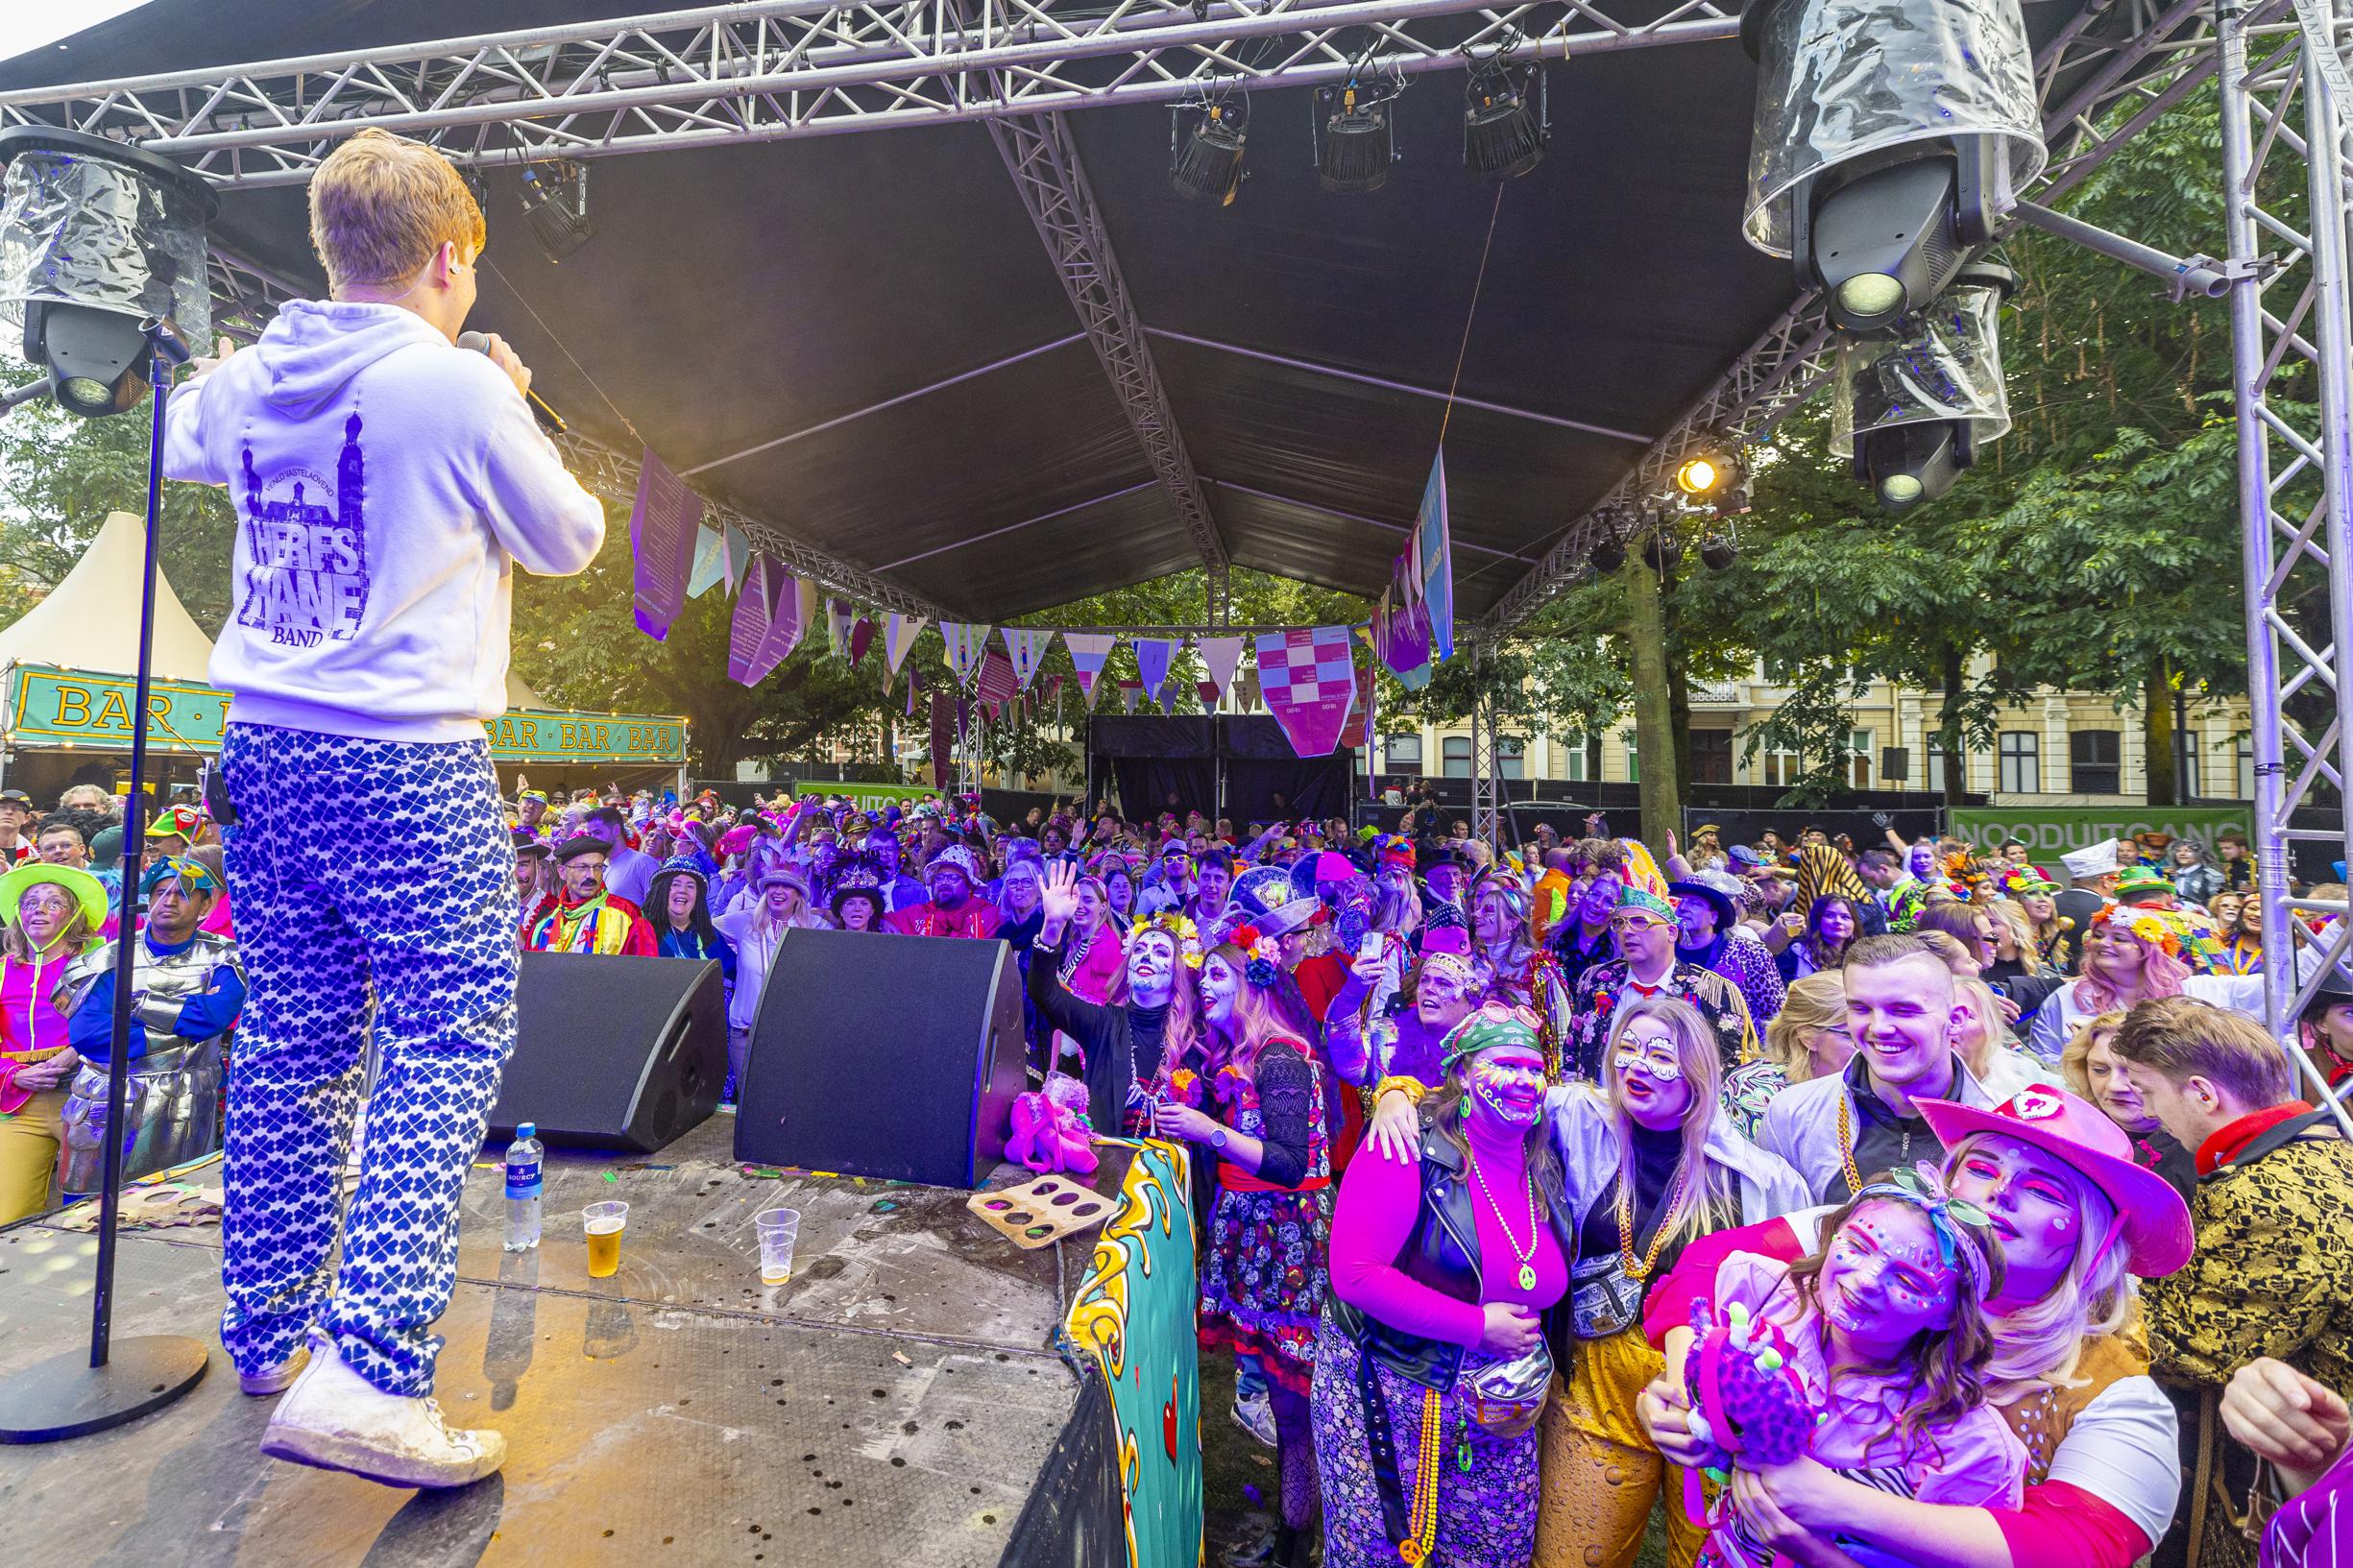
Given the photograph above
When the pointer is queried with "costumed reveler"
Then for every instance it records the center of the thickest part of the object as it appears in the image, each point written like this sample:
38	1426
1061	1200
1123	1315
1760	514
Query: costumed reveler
1137	1051
586	917
52	915
187	989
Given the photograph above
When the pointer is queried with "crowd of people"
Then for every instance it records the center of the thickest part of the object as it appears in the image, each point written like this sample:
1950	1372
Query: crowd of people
1485	1144
1499	1155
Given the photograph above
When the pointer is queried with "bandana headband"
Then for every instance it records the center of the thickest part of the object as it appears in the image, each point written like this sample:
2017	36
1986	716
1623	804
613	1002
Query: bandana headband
1924	1190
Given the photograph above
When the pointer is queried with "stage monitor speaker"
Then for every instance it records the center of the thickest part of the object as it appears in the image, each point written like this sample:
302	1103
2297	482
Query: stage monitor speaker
885	1056
612	1052
1895	763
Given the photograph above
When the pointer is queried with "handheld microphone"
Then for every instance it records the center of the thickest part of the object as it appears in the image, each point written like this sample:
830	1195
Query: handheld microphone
548	419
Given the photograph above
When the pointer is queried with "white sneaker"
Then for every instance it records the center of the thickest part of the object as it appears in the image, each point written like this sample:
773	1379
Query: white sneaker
274	1380
334	1419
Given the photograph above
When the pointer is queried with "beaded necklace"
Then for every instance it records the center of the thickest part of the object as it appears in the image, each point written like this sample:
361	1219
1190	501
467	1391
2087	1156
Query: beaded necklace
1526	1255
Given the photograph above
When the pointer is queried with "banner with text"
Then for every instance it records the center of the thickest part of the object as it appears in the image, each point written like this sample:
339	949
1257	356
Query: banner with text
2049	832
866	797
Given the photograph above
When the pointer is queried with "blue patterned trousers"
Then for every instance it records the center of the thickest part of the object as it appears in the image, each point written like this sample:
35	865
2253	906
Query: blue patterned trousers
368	876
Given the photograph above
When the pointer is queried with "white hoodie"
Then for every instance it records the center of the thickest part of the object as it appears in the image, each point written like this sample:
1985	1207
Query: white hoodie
387	483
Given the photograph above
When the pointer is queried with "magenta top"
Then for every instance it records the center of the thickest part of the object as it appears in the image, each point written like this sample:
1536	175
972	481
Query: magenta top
28	1020
1380	1204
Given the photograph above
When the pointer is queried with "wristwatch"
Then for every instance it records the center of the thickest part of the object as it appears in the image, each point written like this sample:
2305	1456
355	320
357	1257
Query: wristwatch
1216	1139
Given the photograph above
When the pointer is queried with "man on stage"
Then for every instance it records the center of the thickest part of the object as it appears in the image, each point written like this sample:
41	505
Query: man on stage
387	483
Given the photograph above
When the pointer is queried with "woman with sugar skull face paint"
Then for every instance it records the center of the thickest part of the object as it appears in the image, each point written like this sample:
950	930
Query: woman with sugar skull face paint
1146	1030
1432	1363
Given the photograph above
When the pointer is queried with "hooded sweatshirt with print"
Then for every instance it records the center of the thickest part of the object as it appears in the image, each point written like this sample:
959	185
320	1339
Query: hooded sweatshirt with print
387	483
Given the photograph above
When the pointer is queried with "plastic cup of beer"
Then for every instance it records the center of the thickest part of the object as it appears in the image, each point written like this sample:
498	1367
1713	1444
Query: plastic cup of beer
779	1229
604	1222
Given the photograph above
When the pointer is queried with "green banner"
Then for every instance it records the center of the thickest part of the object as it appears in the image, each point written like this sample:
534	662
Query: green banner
51	707
2051	831
866	797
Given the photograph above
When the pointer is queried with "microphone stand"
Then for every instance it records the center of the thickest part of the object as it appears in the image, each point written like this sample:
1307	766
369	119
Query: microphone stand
75	1395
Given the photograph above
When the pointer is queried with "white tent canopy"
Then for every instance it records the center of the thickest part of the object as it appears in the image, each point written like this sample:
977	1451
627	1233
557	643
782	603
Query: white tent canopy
90	621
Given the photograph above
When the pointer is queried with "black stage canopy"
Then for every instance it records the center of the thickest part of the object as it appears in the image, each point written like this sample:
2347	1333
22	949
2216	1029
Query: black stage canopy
736	299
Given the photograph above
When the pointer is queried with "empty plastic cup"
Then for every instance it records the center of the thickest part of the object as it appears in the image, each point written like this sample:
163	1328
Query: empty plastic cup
779	1229
604	1222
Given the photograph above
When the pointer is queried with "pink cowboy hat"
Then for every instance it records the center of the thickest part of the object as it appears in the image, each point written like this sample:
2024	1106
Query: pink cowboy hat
2157	1222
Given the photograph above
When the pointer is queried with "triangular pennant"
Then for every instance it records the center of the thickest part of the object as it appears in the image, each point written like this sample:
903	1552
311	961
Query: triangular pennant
1153	656
1028	650
1432	570
755	609
837	616
964	645
997	683
899	634
1209	691
1246	691
861	638
662	527
1223	656
711	566
1308	678
796	607
1088	650
1130	692
738	550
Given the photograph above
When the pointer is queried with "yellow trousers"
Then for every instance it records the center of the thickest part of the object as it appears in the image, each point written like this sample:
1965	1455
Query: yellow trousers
29	1142
1601	1475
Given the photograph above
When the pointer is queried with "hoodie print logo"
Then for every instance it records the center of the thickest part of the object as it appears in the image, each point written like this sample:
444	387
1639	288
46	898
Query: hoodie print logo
308	540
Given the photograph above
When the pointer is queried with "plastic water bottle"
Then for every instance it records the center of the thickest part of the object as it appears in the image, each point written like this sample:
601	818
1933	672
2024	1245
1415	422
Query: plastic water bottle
523	1188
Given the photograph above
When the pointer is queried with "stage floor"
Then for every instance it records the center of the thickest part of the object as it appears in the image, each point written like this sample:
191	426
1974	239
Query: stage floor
891	1405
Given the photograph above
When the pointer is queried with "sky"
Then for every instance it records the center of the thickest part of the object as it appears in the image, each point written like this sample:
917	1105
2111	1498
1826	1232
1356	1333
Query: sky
24	26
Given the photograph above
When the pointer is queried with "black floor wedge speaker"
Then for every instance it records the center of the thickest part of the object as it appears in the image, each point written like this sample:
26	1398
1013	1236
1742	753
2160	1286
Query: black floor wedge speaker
882	1055
613	1052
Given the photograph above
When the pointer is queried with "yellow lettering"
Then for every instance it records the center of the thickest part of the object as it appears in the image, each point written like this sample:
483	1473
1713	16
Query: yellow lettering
603	741
568	736
73	705
112	711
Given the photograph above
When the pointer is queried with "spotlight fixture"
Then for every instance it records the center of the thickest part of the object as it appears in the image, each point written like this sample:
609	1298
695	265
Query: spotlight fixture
104	239
1719	550
1662	551
1914	409
1609	554
1700	473
555	204
1506	118
1356	140
1890	138
1205	149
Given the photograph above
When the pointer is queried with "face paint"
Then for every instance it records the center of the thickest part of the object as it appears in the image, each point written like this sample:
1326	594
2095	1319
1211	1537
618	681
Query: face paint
1882	1281
1511	1084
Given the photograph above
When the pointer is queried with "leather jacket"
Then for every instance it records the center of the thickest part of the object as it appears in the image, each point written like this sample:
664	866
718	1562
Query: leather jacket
1444	1254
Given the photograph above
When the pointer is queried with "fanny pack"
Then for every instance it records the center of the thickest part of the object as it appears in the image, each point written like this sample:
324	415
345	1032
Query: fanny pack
1507	1397
1602	1300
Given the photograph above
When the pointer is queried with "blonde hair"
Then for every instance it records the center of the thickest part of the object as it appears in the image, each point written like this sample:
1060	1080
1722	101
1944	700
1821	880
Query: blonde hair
1815	1002
2037	1344
1713	1204
381	205
1990	1033
2075	1060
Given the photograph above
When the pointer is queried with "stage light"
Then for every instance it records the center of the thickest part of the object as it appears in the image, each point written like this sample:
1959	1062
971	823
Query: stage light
1719	551
1662	551
1608	555
100	239
1890	137
1698	476
1356	140
1914	409
1506	120
555	206
1205	150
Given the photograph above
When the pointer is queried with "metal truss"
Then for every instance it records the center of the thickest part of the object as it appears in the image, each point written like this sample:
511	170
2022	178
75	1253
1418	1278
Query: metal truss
1043	160
245	295
766	70
2292	339
1485	789
2121	64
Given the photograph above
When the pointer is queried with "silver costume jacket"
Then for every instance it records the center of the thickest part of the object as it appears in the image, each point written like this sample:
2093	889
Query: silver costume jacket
173	1110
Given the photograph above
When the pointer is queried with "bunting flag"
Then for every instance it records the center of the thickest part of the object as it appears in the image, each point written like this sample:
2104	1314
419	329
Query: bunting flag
1433	562
1130	692
838	613
1028	650
1209	691
1153	656
712	565
754	609
861	638
1401	631
1360	716
914	684
1171	691
1308	678
1223	656
997	680
899	634
663	526
1246	692
943	737
796	611
964	645
1088	650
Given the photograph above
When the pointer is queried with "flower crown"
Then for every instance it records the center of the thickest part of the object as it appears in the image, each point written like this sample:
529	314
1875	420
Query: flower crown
2146	925
1179	929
